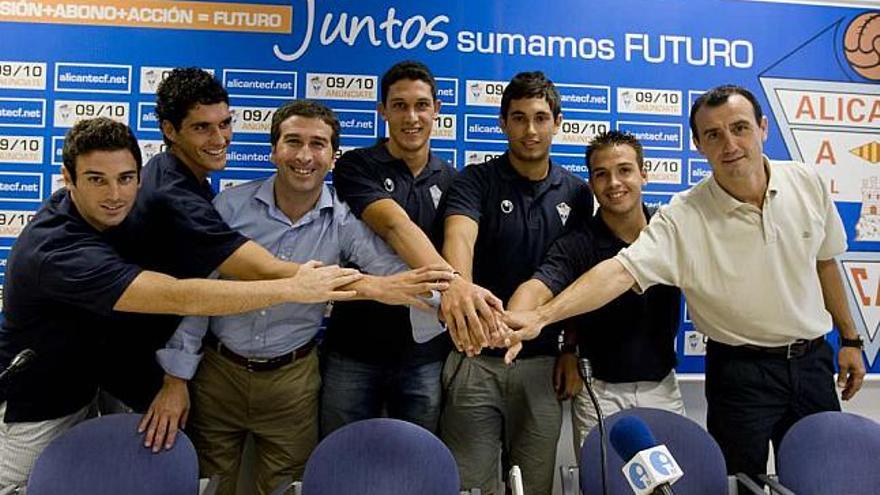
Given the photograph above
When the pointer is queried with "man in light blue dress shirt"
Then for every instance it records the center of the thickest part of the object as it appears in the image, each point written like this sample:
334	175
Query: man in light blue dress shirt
257	372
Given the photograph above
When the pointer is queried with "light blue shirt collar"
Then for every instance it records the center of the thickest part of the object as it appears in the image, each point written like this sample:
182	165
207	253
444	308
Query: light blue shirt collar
266	194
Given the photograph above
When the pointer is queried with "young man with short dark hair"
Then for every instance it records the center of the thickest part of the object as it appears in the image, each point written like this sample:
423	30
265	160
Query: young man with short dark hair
372	362
500	218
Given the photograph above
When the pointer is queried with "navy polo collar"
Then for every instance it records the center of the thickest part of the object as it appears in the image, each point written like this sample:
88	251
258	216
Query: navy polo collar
380	153
64	205
605	237
204	185
508	173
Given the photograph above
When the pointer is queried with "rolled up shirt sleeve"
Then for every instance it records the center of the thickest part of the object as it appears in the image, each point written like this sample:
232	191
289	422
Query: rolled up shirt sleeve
182	353
426	324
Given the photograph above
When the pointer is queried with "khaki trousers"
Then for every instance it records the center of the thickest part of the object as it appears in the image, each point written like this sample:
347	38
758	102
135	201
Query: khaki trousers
279	408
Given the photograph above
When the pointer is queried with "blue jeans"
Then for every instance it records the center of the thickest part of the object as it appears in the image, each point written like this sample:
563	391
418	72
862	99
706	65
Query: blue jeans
353	390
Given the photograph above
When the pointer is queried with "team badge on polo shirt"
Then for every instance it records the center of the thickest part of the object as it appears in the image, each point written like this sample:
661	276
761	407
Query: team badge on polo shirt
563	209
507	206
389	184
435	195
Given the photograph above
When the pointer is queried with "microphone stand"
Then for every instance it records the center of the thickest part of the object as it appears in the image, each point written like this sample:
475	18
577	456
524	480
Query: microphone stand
586	372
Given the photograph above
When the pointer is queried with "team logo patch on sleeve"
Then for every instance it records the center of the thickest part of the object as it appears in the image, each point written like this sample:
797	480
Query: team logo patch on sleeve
389	185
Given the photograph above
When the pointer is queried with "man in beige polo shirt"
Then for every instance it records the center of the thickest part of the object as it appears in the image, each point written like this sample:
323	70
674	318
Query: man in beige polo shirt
753	248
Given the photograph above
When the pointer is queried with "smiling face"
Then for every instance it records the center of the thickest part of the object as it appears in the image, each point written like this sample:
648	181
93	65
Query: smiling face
530	127
731	139
106	187
303	155
203	138
409	110
616	179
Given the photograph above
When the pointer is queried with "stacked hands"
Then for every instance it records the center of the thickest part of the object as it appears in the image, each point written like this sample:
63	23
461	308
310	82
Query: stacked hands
475	317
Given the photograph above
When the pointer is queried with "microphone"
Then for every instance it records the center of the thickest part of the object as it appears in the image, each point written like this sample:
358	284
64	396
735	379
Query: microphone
586	371
650	468
21	361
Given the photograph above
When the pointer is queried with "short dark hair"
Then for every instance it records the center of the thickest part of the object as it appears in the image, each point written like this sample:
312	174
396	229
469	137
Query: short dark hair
182	90
305	108
98	134
410	70
716	97
531	85
613	138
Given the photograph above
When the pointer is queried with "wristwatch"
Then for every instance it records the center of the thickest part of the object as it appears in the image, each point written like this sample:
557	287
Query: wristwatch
857	342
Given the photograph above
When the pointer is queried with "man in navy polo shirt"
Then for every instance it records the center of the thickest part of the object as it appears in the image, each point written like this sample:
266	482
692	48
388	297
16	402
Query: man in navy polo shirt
630	342
500	218
371	360
66	285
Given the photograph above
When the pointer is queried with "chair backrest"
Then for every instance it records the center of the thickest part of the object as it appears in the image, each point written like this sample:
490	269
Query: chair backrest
378	457
692	447
106	455
831	452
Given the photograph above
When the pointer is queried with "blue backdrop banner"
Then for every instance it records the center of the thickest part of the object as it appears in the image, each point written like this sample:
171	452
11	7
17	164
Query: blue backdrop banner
634	65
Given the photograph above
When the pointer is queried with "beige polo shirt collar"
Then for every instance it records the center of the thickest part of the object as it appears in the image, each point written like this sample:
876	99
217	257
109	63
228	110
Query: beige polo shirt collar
727	203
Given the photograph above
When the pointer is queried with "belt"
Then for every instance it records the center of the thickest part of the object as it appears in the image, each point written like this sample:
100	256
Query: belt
796	349
257	364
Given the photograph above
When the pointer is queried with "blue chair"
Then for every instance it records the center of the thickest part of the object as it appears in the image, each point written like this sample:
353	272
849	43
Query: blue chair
379	457
692	447
106	456
829	453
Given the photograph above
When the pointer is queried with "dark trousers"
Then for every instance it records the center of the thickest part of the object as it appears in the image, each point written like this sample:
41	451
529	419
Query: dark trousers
353	390
754	398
